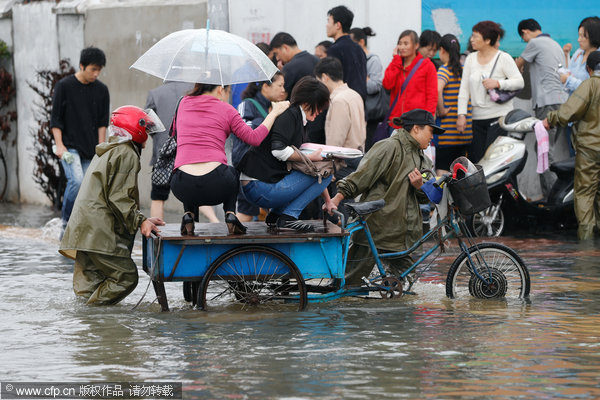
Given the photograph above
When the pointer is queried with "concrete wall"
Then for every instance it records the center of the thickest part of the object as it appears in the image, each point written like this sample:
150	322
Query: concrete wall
35	48
70	37
124	30
125	33
259	20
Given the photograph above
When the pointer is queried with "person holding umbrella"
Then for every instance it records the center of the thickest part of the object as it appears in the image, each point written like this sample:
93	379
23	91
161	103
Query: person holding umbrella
202	177
213	60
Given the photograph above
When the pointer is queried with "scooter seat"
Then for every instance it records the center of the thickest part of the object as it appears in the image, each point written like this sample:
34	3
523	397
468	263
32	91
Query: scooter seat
366	207
564	168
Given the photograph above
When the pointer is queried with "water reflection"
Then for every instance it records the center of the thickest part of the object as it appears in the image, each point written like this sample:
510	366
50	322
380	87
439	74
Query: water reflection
423	346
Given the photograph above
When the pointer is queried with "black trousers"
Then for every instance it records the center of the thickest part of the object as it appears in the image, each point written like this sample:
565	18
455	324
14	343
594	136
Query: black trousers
485	131
220	185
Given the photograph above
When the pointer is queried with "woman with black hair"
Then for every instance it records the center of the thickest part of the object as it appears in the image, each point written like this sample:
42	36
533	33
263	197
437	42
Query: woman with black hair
201	177
255	105
452	144
411	78
322	48
266	180
589	41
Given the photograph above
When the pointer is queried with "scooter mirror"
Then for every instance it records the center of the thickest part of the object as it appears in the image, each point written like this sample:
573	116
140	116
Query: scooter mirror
524	125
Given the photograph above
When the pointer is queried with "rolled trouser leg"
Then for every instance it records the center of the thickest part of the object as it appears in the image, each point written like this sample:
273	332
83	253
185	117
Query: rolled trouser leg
121	278
86	276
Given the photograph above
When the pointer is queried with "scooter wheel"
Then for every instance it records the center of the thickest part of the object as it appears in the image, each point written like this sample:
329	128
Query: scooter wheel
487	223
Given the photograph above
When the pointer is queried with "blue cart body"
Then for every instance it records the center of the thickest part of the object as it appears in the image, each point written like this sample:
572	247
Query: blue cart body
175	258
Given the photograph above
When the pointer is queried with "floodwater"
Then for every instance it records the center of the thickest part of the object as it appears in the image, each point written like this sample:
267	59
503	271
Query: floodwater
422	346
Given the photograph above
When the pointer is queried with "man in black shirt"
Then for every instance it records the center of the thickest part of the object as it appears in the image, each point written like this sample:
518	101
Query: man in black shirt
80	113
352	56
296	63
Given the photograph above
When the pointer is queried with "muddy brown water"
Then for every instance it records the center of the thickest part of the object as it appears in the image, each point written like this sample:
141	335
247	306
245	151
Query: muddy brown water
423	346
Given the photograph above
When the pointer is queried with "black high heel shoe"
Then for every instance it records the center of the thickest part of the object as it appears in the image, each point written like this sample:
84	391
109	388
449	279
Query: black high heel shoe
187	224
234	226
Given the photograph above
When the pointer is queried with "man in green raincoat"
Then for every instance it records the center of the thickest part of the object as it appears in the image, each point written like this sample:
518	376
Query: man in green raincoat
583	108
390	171
106	215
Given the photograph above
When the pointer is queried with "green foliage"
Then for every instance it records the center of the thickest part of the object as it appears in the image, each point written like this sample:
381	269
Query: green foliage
48	172
4	52
7	94
7	115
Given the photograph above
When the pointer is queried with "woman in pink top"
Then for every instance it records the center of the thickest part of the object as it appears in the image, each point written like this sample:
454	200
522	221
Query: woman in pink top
204	120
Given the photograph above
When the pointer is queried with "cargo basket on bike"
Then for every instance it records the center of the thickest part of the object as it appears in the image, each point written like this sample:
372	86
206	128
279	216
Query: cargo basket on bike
470	193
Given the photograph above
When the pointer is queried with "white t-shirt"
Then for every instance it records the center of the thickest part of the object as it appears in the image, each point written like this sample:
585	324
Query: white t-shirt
471	86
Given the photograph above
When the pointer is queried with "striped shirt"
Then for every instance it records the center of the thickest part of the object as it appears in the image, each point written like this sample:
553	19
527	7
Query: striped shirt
450	95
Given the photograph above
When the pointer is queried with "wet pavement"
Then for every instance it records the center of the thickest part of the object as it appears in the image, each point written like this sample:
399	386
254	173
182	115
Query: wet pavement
423	346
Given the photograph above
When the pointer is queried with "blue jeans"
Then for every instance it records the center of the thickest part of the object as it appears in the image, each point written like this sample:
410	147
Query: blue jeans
289	196
74	173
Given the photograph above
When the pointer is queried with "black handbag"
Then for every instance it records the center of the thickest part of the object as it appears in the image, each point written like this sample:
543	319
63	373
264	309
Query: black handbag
377	105
163	168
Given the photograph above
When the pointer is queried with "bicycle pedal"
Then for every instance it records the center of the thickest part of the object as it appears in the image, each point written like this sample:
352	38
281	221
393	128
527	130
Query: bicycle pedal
409	292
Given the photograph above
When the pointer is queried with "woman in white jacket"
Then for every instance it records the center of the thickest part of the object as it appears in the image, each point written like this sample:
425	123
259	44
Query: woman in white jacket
478	77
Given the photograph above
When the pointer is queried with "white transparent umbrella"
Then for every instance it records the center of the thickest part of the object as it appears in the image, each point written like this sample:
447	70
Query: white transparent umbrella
206	56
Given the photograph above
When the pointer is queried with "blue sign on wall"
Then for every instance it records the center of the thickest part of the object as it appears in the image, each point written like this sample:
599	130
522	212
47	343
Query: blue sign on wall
559	18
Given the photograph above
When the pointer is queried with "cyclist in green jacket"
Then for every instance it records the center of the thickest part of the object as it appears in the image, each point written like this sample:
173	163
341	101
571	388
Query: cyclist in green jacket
390	171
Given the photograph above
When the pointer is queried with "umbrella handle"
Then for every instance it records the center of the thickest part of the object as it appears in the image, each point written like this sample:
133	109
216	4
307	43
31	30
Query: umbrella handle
206	46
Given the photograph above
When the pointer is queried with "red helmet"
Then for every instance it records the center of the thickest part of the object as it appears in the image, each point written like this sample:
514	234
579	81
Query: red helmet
137	122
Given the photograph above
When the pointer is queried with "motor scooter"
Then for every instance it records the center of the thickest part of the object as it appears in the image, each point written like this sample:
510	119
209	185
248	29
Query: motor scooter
503	161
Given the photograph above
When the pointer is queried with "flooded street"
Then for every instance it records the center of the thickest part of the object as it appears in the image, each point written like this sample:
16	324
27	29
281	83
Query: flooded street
423	346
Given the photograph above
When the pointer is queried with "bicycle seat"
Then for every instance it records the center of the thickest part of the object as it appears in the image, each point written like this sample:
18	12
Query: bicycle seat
366	207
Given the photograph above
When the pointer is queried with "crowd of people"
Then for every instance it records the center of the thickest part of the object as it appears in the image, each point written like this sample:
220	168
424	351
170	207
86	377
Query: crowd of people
342	96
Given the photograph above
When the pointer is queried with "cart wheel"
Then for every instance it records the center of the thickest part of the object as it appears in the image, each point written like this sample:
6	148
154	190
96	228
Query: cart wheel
390	287
489	222
253	277
504	273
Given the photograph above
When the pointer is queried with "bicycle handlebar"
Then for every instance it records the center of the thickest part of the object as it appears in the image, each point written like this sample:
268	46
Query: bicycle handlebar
442	179
341	217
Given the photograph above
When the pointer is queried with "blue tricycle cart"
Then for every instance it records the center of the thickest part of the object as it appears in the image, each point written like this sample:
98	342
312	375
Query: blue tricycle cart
279	269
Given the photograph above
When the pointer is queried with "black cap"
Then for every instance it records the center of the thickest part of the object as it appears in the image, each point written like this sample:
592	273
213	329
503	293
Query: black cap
420	117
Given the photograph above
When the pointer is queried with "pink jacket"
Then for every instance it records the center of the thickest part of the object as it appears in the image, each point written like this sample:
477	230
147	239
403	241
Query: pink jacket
203	124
